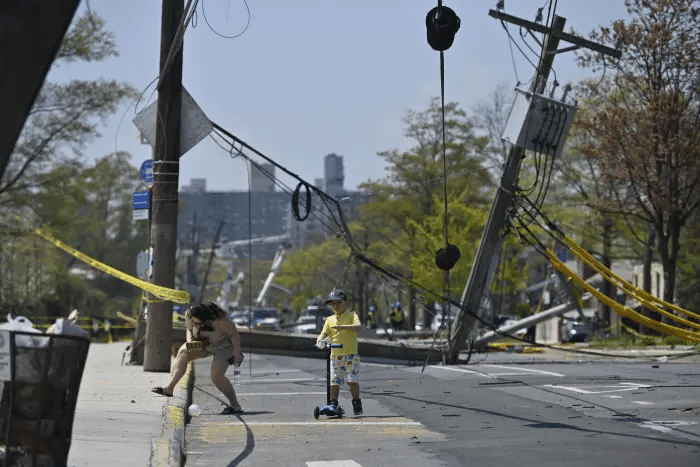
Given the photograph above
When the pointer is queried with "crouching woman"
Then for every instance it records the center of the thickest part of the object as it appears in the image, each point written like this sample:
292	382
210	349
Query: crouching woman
208	332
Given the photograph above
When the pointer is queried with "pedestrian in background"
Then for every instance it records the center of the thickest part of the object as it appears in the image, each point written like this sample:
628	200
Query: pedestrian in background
208	332
342	328
372	317
396	316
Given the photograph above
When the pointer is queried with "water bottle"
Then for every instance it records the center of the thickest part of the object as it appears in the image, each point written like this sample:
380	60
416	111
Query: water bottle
236	375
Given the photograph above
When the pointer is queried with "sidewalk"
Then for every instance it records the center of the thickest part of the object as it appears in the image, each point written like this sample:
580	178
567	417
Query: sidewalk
118	420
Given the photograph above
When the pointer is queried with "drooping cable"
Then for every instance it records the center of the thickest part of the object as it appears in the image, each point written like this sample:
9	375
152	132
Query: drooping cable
442	24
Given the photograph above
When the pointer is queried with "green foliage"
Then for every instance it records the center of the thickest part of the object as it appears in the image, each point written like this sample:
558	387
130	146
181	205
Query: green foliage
314	271
65	116
648	340
641	132
402	225
688	293
48	184
673	341
465	227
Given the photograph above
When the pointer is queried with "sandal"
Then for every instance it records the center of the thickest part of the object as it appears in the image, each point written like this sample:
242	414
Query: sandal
228	410
159	390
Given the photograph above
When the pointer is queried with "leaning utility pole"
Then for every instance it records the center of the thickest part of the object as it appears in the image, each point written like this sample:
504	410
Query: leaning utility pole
166	172
486	259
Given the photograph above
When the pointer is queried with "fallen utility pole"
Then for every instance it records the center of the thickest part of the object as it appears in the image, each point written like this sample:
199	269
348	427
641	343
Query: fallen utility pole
166	171
473	302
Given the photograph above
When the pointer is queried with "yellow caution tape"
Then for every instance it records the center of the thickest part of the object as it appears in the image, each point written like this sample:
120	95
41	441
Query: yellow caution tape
618	307
164	293
648	300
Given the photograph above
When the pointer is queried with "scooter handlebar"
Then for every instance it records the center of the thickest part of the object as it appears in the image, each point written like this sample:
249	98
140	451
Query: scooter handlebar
324	345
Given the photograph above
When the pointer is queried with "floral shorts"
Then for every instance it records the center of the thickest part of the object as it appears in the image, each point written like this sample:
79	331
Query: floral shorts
344	366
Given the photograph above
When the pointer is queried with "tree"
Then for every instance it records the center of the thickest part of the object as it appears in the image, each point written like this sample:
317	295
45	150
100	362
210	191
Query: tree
645	132
408	207
65	117
492	115
92	213
47	182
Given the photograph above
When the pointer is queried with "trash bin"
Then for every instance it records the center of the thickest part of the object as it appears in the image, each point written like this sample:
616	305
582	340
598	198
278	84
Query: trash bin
40	378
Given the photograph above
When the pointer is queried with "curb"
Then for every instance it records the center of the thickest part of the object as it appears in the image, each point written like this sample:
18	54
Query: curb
169	449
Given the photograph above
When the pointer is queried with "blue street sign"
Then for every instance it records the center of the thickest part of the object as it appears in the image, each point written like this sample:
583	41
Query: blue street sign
147	171
141	199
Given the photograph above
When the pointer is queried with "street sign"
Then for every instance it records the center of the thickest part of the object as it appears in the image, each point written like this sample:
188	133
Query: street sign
140	215
5	357
142	263
141	199
194	123
147	171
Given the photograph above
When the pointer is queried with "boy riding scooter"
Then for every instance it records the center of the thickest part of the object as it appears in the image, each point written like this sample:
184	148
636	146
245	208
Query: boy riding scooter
342	328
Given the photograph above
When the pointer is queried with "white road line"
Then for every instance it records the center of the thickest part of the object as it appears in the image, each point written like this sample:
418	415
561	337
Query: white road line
461	370
326	422
665	426
520	371
238	393
245	380
642	403
347	463
599	388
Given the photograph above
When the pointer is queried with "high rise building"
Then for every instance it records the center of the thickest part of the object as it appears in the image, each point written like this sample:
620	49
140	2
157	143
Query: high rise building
262	178
334	175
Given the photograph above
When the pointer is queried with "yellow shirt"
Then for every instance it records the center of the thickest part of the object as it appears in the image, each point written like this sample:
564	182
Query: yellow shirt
342	336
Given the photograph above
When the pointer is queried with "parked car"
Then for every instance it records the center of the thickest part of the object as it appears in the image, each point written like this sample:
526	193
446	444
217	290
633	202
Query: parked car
574	331
305	324
259	318
312	318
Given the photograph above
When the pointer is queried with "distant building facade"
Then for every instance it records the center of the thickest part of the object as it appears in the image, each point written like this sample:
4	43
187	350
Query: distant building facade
260	212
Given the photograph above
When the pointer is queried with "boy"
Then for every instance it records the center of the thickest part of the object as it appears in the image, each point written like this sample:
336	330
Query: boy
342	328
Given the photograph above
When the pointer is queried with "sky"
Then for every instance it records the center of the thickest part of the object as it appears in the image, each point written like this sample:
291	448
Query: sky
305	78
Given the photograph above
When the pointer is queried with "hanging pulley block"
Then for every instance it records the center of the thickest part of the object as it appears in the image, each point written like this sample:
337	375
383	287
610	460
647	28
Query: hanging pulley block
446	258
442	23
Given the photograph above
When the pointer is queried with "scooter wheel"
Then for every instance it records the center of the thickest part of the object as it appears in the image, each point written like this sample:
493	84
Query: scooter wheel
340	412
316	412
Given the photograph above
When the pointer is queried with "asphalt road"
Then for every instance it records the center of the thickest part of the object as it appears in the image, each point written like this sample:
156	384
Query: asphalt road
501	409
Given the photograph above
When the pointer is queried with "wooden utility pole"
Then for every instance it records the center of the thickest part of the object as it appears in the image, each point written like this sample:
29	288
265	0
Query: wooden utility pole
486	259
166	170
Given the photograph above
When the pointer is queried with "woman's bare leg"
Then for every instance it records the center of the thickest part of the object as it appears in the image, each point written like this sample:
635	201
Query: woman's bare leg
222	383
184	356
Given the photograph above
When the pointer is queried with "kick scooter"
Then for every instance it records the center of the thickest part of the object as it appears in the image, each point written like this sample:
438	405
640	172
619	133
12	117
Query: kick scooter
329	409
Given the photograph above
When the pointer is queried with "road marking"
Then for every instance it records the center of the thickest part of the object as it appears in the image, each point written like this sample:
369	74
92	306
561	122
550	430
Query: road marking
347	463
599	388
461	370
337	421
665	426
238	393
642	403
290	380
520	371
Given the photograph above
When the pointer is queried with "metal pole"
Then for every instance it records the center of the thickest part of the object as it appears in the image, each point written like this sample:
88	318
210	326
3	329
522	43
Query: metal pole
165	191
